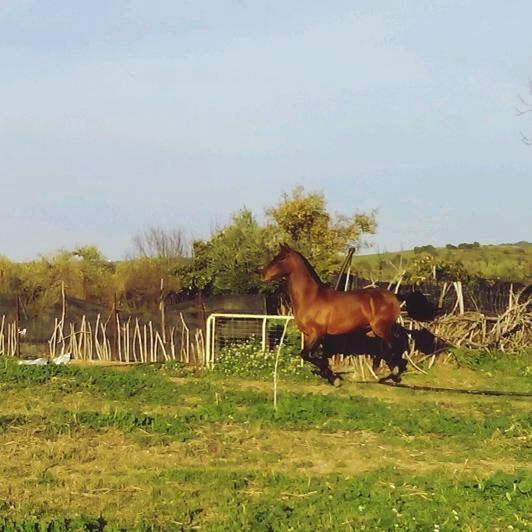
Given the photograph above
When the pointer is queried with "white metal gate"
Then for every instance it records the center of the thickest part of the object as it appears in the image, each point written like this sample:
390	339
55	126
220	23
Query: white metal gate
230	329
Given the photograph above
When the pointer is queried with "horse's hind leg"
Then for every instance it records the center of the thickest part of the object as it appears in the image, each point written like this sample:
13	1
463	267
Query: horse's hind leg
392	356
311	343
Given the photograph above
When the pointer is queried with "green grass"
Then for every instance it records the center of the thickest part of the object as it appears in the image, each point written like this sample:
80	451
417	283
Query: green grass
216	400
255	501
517	364
168	448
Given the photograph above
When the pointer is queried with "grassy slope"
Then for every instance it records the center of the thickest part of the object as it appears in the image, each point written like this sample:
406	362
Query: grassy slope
148	447
505	261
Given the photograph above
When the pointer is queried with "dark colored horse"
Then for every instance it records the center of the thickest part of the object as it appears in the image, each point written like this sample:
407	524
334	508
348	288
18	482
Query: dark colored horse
320	311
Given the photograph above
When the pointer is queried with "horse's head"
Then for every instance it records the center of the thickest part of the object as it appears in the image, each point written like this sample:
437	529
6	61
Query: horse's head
280	266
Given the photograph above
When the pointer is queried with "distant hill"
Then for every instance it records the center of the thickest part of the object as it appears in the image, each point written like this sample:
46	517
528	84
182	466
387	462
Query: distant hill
506	262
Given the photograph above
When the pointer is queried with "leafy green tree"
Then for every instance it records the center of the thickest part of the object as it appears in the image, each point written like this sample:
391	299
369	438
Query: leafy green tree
39	281
96	275
228	262
85	274
10	280
199	273
430	249
427	267
302	220
466	245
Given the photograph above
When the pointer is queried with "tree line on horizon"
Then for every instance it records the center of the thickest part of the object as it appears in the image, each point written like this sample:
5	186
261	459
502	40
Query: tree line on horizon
228	261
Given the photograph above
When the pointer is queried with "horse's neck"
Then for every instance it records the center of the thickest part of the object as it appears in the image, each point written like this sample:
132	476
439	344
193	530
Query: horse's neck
302	288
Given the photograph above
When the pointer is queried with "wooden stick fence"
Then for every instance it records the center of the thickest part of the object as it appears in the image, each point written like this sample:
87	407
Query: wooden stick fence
9	338
130	341
135	342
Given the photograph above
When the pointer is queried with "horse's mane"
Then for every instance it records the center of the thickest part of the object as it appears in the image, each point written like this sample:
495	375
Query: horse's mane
309	267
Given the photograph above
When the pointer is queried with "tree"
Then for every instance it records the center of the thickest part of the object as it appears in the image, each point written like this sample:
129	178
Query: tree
228	262
428	267
9	277
430	249
85	273
303	221
160	243
98	282
139	281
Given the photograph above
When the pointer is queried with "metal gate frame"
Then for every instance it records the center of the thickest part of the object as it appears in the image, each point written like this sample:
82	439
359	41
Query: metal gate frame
210	344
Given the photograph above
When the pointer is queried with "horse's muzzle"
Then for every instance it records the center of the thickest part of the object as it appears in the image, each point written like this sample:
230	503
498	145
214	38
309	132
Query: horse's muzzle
263	274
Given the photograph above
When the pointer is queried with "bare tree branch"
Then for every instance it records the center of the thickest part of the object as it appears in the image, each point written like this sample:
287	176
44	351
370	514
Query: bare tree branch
525	139
525	108
157	242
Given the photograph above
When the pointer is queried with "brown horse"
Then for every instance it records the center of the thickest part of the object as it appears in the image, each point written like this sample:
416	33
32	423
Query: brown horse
320	310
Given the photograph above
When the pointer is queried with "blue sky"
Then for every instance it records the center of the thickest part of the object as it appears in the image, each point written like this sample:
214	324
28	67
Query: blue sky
118	115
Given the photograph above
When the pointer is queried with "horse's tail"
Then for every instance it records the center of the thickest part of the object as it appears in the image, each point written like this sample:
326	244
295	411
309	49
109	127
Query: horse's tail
418	306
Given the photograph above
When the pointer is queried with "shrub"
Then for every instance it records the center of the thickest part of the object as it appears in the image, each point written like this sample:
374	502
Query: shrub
248	360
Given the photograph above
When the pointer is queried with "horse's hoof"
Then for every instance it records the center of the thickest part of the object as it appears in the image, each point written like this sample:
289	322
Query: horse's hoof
335	380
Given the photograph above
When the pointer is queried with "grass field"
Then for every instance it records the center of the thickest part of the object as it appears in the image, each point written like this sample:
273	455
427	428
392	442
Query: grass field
507	262
167	448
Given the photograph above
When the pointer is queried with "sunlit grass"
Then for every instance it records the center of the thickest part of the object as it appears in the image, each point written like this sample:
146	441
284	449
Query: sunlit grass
164	447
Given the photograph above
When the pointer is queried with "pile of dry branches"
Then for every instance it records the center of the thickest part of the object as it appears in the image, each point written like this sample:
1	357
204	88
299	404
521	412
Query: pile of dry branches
511	331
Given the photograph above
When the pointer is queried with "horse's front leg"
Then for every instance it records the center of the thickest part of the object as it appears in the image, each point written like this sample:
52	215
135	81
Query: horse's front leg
310	344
